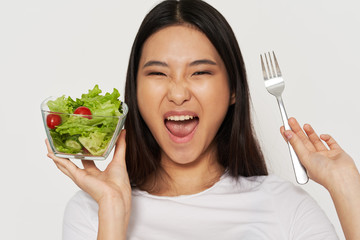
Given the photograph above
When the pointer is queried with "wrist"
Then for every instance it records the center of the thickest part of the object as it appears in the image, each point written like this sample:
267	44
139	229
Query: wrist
114	206
345	193
113	218
343	181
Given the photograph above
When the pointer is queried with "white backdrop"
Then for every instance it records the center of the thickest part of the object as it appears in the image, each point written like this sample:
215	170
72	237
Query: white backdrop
65	47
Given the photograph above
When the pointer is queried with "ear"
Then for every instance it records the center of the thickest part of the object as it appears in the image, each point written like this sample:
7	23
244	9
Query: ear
232	99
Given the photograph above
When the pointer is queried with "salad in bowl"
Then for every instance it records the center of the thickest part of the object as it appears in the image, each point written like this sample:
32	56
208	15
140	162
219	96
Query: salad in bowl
85	128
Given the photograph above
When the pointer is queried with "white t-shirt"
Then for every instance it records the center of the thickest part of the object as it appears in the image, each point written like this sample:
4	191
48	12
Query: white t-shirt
249	209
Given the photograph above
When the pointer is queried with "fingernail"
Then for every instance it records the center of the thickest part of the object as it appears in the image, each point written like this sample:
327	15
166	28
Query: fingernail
288	134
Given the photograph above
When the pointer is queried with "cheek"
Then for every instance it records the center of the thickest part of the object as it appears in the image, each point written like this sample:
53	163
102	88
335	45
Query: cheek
149	96
214	94
143	97
215	100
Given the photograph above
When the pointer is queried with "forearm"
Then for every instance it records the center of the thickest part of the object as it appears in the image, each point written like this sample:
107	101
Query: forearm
345	192
113	220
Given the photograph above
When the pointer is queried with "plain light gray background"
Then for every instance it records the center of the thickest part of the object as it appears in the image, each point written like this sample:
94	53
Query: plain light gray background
65	47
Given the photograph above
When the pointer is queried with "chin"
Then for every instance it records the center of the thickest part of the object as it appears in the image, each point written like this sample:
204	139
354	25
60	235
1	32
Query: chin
187	156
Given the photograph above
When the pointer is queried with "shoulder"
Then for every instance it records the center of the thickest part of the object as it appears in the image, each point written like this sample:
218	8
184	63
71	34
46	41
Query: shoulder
294	205
277	186
80	217
277	192
271	185
271	191
81	203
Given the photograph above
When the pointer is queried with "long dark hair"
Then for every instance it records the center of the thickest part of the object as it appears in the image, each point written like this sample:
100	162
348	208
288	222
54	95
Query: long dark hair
238	148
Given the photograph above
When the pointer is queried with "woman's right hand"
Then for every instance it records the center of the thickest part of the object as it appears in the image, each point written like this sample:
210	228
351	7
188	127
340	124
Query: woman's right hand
108	187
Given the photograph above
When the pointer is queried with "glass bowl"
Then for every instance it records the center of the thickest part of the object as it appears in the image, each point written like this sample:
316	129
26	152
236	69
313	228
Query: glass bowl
86	137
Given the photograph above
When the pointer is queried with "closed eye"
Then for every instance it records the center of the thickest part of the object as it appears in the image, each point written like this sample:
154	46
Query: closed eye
156	74
202	73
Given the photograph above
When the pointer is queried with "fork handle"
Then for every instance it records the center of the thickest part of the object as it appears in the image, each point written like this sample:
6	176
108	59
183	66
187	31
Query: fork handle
300	171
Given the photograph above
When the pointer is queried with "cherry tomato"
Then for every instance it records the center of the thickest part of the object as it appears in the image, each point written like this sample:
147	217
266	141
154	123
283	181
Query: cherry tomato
85	151
52	120
83	111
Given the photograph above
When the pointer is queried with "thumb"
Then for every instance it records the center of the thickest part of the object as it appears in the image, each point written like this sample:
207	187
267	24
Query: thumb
120	149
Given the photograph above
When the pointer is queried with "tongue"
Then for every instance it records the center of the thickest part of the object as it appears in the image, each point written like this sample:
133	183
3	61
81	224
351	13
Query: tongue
181	128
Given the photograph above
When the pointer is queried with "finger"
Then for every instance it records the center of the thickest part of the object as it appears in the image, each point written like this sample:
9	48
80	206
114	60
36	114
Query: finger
314	138
330	141
65	171
65	165
295	127
48	146
282	131
299	147
89	165
120	149
59	165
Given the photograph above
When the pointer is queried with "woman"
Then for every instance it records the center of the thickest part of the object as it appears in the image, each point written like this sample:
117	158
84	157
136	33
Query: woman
192	168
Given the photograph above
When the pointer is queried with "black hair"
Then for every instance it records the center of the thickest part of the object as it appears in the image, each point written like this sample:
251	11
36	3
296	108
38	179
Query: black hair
238	149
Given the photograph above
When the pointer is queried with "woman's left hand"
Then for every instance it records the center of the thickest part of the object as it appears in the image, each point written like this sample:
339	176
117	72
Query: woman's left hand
324	163
330	166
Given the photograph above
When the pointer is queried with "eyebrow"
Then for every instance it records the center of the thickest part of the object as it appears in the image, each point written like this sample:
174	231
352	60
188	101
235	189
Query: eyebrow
194	63
155	63
202	61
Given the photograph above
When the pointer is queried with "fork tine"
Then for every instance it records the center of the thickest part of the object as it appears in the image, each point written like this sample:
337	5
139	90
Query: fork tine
263	68
272	66
268	67
277	66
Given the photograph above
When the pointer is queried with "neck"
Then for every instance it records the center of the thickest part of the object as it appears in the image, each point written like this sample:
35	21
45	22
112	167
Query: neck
184	179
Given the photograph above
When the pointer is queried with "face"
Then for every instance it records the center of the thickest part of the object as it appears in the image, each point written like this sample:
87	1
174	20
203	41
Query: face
183	93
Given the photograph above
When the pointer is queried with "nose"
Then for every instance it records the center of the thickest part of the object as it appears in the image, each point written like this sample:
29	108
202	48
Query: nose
178	92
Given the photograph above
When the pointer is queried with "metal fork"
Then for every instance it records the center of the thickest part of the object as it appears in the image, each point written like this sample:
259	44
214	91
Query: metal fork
275	85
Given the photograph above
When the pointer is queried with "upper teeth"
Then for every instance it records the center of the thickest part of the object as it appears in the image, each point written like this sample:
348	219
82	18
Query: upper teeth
180	118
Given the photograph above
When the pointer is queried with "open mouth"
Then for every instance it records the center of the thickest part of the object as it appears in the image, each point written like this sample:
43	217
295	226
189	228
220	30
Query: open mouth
181	126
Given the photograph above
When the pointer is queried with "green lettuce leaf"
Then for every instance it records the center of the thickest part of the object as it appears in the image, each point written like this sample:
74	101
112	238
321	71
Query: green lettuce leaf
76	132
96	143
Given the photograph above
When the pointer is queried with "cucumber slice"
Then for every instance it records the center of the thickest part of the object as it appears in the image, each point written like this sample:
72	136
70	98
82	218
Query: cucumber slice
73	144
